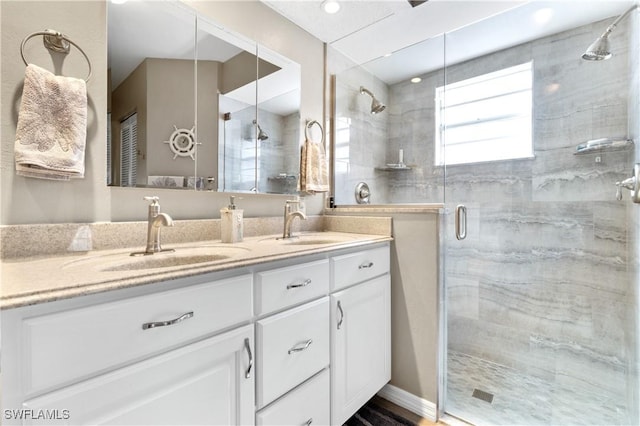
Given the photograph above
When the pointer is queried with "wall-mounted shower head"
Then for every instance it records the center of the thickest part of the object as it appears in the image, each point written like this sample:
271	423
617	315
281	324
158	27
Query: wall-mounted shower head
600	49
262	135
376	105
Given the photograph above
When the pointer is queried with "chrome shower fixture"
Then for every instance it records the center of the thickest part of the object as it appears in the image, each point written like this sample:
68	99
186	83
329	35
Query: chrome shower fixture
262	135
376	105
600	49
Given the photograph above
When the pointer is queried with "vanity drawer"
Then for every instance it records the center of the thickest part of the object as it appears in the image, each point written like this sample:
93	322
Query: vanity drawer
309	402
291	347
280	288
78	343
357	267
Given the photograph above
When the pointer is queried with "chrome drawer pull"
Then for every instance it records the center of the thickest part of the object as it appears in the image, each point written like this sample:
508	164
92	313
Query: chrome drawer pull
247	375
304	346
148	325
341	315
308	422
366	265
302	284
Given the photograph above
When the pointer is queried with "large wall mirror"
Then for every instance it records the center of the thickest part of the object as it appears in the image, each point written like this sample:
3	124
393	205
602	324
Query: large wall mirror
194	106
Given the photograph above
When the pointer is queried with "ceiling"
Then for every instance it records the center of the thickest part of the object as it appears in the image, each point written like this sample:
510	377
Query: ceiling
366	31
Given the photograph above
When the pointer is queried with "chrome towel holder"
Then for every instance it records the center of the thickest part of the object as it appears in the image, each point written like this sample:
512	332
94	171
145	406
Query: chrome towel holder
308	126
56	42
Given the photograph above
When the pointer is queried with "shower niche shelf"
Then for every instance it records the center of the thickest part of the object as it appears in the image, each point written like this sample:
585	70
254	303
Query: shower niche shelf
394	167
603	145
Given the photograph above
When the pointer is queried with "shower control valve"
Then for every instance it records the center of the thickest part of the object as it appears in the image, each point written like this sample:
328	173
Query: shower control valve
632	184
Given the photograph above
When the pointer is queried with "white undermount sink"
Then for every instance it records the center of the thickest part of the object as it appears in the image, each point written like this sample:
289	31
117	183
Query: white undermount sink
124	261
311	239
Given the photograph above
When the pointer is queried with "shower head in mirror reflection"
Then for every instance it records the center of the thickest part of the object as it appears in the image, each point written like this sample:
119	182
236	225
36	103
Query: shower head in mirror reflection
376	105
262	135
600	49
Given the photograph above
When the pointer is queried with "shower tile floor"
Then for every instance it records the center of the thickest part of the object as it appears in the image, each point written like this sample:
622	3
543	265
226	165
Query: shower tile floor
521	399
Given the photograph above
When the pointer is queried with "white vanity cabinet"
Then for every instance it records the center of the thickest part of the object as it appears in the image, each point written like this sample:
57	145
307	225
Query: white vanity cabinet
180	356
292	344
360	330
204	383
304	340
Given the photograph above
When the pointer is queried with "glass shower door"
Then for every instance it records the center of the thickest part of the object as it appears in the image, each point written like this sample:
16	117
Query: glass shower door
539	325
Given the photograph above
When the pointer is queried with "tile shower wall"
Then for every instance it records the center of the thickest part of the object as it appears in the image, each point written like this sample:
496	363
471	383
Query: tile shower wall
278	159
361	138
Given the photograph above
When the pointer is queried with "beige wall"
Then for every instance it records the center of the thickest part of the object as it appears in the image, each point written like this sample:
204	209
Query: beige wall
170	102
26	200
414	304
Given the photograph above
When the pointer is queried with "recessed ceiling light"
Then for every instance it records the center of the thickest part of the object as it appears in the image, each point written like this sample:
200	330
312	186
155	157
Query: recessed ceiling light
118	1
331	6
416	80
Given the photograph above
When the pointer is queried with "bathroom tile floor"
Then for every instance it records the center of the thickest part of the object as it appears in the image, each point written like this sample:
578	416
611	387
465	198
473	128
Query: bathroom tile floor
521	399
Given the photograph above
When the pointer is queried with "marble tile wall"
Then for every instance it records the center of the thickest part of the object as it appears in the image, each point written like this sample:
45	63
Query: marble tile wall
279	154
364	137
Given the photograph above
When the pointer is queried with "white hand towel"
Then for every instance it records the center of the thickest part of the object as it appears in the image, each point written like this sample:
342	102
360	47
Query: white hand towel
52	126
314	176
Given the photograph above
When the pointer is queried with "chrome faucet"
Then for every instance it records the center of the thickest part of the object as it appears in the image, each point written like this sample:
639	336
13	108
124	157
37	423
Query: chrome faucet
155	221
289	216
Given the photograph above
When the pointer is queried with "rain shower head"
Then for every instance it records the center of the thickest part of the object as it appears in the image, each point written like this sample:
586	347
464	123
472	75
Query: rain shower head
600	49
376	105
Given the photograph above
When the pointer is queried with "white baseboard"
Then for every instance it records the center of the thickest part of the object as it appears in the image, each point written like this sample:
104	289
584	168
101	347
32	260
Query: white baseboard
409	401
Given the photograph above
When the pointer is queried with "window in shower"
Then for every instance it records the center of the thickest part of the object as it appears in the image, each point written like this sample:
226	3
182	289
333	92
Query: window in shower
485	118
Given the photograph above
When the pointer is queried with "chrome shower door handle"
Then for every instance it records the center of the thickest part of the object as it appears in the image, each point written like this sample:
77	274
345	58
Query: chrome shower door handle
461	222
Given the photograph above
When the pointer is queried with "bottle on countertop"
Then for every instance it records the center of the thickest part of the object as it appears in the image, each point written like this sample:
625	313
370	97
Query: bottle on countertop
231	227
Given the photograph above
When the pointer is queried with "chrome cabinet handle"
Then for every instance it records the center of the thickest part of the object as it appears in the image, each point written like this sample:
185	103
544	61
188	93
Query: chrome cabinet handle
341	315
366	265
308	422
247	346
148	325
301	348
302	284
461	222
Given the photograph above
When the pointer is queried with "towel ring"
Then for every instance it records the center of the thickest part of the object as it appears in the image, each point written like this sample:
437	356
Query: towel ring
56	42
309	125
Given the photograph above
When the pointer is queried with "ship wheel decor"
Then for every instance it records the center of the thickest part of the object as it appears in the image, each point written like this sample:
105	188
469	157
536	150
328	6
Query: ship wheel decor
183	143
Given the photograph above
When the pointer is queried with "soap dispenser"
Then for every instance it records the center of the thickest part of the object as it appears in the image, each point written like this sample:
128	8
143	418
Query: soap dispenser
231	228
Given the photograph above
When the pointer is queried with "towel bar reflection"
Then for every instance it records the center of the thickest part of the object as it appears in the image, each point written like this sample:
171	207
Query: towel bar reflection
309	125
56	42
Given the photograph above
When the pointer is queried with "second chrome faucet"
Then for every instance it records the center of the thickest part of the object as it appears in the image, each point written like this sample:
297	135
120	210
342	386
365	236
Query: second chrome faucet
155	221
289	215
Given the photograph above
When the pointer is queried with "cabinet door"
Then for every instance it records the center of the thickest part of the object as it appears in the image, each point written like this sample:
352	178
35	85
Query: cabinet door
361	345
208	382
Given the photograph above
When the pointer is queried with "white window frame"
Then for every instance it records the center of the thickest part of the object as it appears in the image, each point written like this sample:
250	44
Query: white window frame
485	118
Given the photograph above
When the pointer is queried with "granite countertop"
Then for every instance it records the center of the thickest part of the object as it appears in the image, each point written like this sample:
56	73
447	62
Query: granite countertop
40	279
